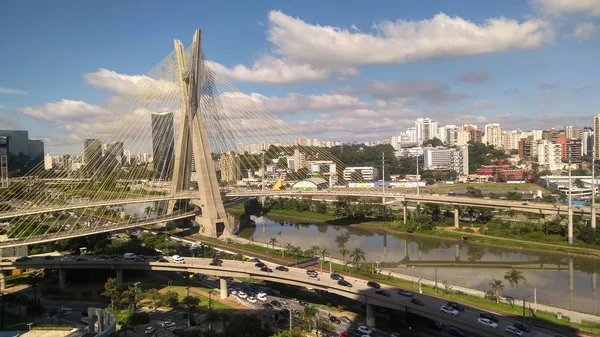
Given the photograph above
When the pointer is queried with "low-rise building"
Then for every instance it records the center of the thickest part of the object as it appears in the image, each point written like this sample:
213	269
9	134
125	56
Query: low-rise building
367	172
501	170
447	159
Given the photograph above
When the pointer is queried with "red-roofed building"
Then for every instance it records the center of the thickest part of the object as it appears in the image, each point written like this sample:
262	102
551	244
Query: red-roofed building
501	169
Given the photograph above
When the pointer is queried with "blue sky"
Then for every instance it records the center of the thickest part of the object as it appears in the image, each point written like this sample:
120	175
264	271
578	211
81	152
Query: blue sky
365	68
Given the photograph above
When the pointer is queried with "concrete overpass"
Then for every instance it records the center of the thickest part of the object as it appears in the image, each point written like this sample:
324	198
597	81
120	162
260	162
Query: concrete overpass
296	277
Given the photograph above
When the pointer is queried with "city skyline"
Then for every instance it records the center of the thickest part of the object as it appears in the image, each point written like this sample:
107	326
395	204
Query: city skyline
530	78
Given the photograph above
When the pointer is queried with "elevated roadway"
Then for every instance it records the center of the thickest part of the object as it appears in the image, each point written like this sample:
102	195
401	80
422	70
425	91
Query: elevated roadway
295	276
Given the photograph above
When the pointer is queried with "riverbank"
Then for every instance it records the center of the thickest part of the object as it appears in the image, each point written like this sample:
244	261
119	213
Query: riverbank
449	233
471	297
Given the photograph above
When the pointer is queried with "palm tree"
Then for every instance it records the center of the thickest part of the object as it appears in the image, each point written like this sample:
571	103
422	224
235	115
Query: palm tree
497	287
273	241
310	312
357	255
315	250
343	251
513	277
323	253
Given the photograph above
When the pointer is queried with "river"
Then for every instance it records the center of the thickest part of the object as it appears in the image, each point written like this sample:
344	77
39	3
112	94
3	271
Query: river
553	287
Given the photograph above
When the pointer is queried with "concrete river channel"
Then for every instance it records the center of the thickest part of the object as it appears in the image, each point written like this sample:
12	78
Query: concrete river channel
558	279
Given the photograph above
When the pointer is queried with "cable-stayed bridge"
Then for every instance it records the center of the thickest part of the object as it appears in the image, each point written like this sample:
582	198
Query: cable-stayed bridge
186	118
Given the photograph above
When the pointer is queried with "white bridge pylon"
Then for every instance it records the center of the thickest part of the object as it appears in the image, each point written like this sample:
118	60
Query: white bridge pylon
193	138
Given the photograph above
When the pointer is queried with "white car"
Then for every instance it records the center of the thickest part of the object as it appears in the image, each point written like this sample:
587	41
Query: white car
364	329
251	299
232	291
513	330
68	258
313	277
262	297
85	320
167	324
282	301
150	330
242	294
487	322
449	310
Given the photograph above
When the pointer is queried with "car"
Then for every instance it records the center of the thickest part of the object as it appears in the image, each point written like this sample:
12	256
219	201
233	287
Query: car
487	322
489	316
345	319
311	271
266	269
5	260
150	330
345	334
259	265
373	284
163	260
313	277
334	319
268	306
282	301
383	293
275	304
233	291
262	297
281	268
344	283
254	260
396	334
167	324
214	263
405	292
513	330
456	306
242	294
65	258
522	327
417	301
85	320
454	331
251	299
137	259
449	310
364	329
302	303
48	257
336	276
217	260
81	259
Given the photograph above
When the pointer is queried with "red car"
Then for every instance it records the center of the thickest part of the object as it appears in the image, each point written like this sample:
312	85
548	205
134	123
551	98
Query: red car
344	334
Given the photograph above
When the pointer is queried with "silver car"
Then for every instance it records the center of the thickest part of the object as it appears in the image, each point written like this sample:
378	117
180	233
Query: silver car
513	330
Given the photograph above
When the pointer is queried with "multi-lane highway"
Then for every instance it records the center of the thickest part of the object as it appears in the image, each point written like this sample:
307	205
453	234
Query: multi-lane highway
295	276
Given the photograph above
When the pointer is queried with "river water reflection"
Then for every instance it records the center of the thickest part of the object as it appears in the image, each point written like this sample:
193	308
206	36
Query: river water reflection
553	287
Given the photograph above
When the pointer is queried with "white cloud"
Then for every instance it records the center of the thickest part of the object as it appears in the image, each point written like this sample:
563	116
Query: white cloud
483	104
590	7
271	70
414	90
64	110
292	103
141	86
584	29
10	91
401	41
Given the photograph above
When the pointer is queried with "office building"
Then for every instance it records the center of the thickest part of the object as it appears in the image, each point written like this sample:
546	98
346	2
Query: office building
3	162
29	153
447	159
92	154
163	144
367	173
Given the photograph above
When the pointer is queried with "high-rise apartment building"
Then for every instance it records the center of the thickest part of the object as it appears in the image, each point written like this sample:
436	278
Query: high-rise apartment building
411	133
299	159
447	159
572	132
3	162
464	133
549	154
163	144
230	167
493	135
510	139
450	135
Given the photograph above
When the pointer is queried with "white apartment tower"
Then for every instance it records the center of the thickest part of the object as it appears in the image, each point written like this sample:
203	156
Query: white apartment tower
493	135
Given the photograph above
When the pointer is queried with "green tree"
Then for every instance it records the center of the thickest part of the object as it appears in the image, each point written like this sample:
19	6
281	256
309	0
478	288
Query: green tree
496	287
171	299
310	313
435	142
154	296
315	250
357	255
285	333
344	251
112	292
514	277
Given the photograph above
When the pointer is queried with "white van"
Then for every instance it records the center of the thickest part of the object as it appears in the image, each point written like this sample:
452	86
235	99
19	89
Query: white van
129	256
178	259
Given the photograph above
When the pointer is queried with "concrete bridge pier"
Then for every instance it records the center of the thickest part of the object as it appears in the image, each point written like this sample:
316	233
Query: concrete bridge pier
119	277
62	281
571	286
456	216
406	250
223	288
2	281
457	252
370	315
404	209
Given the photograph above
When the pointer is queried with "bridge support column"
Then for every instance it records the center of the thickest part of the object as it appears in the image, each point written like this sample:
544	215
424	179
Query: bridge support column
2	281
594	285
119	277
570	226
62	282
404	209
456	216
406	250
457	252
370	315
223	287
571	275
